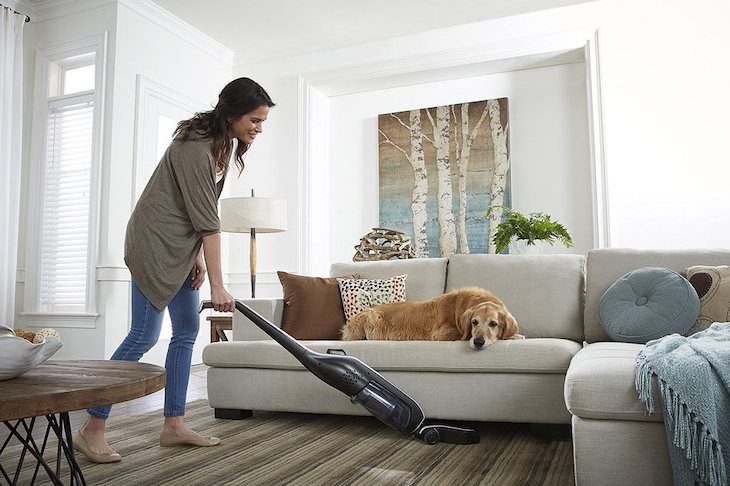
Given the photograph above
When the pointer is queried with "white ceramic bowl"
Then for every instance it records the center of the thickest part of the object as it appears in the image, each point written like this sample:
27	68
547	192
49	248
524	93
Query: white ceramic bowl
18	355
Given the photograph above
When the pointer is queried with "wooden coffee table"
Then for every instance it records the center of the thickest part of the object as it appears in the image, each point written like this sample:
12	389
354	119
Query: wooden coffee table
58	387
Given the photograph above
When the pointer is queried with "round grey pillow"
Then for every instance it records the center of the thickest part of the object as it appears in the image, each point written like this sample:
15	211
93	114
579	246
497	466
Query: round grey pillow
647	304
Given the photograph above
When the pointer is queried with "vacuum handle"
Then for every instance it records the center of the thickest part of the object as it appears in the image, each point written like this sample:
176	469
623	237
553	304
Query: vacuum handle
288	342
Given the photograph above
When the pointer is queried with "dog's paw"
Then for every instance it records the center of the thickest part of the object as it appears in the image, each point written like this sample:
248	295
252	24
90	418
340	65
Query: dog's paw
518	336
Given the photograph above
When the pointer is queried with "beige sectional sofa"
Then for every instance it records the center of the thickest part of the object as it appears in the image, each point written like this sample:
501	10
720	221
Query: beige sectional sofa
614	441
566	370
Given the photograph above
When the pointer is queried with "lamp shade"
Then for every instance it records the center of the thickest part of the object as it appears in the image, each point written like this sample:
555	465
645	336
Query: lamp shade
242	214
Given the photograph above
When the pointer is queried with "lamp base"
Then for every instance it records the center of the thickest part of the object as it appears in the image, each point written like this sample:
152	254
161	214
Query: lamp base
252	262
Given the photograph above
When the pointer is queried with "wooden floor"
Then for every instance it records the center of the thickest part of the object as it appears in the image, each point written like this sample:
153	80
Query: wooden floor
197	389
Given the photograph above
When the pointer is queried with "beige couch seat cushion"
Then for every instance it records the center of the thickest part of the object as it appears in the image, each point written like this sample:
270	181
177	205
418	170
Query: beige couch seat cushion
543	292
512	356
600	384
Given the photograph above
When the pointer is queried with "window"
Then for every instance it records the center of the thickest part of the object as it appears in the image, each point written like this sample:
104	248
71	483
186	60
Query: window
66	191
61	258
78	79
65	216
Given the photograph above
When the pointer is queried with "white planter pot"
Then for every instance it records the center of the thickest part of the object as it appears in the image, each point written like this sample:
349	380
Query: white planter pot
520	247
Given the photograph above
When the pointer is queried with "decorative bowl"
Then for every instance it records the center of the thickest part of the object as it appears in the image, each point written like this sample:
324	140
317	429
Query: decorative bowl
18	355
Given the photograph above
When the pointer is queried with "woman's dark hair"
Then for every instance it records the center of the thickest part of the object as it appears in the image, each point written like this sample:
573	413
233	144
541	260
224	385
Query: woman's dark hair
240	96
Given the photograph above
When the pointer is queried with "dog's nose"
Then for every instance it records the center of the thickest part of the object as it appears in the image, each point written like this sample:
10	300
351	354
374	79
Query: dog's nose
478	342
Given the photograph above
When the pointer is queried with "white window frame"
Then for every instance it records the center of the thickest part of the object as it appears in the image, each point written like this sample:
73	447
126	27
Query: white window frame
49	61
58	69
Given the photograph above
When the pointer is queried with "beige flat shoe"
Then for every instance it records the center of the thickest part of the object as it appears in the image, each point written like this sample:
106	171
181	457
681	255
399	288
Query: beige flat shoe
170	440
82	446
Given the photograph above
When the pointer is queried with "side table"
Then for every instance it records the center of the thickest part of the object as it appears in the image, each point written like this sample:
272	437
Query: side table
218	324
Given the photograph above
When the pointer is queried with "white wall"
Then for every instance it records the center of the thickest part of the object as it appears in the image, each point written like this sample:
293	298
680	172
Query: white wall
48	31
549	147
666	112
375	82
665	102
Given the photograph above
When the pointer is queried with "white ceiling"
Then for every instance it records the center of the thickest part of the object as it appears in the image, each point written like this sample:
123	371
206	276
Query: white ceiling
266	29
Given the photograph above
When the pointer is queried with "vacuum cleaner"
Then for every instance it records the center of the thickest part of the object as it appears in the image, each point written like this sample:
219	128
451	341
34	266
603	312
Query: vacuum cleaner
363	385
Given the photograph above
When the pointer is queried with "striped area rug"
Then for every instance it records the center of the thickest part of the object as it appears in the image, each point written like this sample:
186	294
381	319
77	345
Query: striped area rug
301	449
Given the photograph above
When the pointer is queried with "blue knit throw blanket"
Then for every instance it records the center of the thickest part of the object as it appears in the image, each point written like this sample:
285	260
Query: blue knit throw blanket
693	374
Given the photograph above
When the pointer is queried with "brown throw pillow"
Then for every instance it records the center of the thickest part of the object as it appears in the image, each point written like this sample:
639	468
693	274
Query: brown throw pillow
312	307
713	287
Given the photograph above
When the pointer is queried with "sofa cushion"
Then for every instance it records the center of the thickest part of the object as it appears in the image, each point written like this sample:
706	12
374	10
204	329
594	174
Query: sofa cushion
712	285
543	292
648	303
426	276
312	307
511	356
605	265
600	383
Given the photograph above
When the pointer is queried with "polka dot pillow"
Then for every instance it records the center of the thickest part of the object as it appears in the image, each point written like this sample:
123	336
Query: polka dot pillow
360	294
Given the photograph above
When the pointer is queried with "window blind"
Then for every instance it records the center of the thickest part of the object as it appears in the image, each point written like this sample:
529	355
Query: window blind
66	205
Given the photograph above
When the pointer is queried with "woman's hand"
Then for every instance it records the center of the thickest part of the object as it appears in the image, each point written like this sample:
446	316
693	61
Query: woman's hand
197	274
222	300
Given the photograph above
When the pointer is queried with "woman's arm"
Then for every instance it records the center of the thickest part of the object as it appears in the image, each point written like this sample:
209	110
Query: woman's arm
222	300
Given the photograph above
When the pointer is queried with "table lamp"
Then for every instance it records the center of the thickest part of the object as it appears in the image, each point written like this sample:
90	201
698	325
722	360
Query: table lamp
254	215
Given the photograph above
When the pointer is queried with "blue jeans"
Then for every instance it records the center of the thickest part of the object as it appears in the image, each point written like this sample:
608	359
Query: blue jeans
146	325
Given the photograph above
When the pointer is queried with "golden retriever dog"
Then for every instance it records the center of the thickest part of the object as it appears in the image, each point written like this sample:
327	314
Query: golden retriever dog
469	313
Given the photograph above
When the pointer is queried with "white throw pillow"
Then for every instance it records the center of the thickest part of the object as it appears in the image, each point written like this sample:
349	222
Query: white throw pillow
360	294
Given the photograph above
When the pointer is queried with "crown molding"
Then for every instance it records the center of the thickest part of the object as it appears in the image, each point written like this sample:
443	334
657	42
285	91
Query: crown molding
51	9
164	19
349	79
22	6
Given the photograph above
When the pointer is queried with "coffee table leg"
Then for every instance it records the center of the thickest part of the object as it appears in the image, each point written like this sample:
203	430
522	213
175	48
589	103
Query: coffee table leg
62	428
30	446
69	450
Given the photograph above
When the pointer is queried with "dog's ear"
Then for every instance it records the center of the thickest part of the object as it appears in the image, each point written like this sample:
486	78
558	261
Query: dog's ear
464	324
507	325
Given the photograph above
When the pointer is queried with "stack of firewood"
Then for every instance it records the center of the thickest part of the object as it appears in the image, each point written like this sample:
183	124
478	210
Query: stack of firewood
383	244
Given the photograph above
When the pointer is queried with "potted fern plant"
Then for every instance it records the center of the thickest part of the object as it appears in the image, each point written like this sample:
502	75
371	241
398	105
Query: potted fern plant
530	228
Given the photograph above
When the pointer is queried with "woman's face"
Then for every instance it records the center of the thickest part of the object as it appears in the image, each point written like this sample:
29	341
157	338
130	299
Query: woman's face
246	127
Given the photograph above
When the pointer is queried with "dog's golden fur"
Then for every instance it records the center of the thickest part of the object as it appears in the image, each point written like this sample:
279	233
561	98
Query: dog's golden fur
470	313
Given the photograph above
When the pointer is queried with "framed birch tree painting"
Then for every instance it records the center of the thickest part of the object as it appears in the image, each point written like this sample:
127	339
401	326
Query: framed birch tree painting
441	169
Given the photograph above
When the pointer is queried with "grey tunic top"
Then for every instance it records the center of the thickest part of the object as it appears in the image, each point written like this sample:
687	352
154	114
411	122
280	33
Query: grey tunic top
176	210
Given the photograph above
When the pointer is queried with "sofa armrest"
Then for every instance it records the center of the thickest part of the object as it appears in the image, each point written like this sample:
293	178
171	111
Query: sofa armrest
245	330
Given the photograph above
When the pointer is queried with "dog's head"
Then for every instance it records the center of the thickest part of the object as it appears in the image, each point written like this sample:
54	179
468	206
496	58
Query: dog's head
485	323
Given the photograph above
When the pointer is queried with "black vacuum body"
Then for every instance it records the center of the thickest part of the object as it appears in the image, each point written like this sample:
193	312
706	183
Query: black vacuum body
363	385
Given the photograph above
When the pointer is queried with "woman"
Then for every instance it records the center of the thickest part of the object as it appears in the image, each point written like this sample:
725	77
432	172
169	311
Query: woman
173	233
